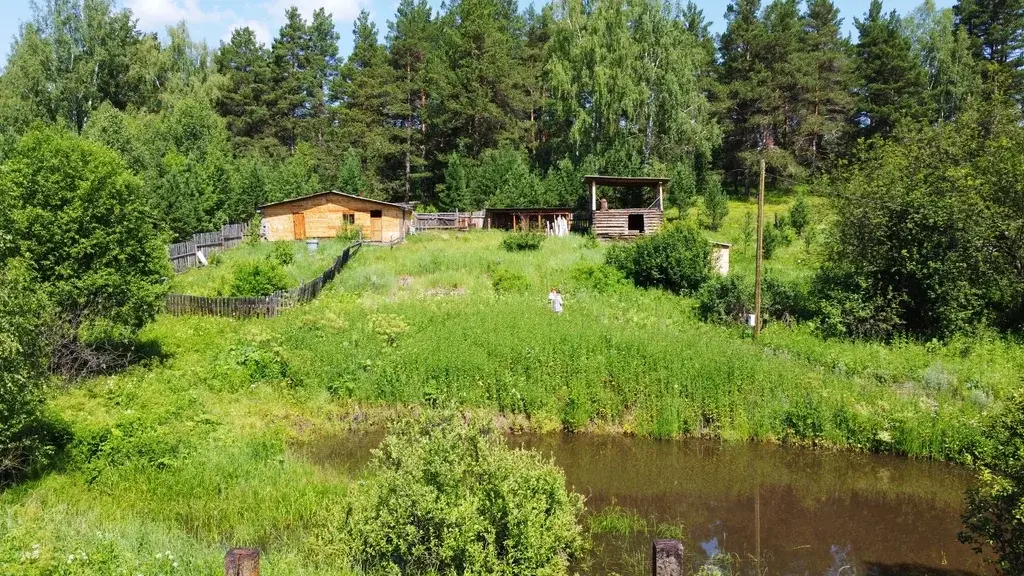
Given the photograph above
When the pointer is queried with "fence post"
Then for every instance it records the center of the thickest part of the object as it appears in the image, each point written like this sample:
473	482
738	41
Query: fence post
242	562
667	558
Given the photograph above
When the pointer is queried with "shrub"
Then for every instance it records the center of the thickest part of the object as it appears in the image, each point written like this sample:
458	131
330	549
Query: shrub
253	279
800	215
388	327
76	212
507	281
785	301
348	232
519	241
442	497
724	299
597	277
773	239
995	507
677	259
283	253
27	441
716	203
847	307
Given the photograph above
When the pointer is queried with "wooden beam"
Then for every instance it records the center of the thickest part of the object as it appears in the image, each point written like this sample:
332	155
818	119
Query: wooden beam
593	196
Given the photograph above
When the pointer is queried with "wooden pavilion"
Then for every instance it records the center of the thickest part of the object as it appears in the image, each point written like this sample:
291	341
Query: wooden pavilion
625	222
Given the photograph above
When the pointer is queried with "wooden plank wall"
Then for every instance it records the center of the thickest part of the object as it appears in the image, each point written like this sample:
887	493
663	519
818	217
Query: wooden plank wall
449	220
261	307
615	223
183	254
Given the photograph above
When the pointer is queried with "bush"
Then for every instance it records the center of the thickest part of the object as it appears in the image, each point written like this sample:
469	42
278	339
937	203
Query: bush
348	232
597	277
800	215
716	203
26	440
723	300
677	259
283	253
995	507
519	241
76	212
442	497
772	241
847	307
253	279
507	281
785	301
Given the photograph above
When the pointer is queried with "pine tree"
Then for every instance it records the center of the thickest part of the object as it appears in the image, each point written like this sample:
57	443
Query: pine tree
742	74
891	80
323	70
368	92
480	97
824	99
996	28
245	64
293	87
409	43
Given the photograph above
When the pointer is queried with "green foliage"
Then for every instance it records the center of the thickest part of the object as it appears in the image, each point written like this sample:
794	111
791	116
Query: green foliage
519	241
773	239
283	253
677	259
253	279
75	213
444	497
388	327
27	441
503	179
994	518
919	236
724	300
600	278
716	204
505	281
454	193
800	215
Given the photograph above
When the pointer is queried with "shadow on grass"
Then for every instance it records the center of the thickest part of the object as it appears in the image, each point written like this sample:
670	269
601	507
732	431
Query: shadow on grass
907	569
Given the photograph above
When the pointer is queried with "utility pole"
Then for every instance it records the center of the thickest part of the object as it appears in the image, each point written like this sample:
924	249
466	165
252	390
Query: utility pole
760	254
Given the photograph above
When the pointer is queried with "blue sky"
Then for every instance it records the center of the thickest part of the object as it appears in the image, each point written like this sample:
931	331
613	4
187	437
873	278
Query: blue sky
213	20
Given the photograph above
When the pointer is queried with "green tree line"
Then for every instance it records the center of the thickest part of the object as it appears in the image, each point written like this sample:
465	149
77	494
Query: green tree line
488	104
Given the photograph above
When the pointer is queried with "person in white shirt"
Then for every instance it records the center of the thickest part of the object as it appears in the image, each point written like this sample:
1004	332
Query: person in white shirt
556	300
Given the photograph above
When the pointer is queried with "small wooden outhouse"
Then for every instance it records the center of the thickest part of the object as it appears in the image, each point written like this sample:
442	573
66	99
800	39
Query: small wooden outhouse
322	215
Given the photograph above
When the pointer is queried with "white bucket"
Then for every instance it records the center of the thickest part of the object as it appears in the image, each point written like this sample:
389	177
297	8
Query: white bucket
312	244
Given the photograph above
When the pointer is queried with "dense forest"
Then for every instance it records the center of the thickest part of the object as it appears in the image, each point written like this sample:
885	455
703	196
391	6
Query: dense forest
913	128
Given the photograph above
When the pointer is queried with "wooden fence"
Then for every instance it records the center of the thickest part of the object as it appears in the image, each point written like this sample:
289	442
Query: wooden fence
449	220
183	254
260	307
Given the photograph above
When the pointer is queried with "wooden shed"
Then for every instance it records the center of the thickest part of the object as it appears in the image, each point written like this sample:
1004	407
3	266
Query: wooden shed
525	218
608	222
322	215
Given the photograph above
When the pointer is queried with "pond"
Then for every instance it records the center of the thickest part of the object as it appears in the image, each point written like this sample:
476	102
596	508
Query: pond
746	508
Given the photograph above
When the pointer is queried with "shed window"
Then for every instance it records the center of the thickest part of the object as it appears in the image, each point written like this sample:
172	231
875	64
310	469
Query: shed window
349	218
635	223
376	214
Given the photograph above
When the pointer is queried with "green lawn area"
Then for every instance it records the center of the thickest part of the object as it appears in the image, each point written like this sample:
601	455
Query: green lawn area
215	279
187	453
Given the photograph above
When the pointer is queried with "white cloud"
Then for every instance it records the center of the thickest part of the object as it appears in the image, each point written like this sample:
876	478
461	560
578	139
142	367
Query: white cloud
263	33
157	14
344	12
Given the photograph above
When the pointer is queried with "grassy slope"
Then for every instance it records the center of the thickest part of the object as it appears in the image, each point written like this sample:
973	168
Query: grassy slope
187	454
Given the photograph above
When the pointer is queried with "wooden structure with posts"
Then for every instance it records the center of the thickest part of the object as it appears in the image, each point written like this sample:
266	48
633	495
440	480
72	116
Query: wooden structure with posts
258	307
449	220
185	255
625	222
526	218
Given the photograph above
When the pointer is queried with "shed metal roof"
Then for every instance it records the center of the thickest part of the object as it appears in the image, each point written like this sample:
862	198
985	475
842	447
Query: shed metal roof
625	181
336	193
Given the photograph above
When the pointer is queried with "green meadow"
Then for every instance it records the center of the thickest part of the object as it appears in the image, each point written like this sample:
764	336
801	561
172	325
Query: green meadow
188	452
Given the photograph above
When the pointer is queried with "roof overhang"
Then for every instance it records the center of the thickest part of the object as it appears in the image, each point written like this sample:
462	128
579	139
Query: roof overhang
625	181
336	193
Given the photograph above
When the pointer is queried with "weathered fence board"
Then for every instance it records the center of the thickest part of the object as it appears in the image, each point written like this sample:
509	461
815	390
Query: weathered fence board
261	307
183	254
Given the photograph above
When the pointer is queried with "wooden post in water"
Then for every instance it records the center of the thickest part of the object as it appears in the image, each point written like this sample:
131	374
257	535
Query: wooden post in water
667	558
242	562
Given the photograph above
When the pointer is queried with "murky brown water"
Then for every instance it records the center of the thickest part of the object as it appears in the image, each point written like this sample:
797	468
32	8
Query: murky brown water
801	512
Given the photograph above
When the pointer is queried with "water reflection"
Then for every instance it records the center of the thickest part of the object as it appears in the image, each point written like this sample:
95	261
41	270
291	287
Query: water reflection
752	509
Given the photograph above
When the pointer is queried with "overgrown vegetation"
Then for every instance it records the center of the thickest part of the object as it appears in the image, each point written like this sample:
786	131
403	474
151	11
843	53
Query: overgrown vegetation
522	240
448	498
677	259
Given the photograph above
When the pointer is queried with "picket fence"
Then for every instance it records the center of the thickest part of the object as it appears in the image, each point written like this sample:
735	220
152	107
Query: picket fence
260	307
183	254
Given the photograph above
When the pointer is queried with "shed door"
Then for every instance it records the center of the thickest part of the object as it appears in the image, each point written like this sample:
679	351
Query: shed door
376	226
299	221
